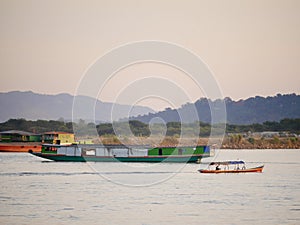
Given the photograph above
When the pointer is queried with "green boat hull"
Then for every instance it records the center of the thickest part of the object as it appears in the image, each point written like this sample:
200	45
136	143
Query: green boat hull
150	159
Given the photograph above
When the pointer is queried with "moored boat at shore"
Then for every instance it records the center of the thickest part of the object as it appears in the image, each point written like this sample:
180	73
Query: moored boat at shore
122	153
231	167
20	147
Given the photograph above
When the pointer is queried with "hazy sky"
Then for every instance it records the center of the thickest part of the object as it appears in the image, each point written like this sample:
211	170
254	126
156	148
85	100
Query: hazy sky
252	47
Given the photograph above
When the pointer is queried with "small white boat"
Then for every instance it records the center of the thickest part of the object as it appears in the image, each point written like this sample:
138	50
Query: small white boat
231	167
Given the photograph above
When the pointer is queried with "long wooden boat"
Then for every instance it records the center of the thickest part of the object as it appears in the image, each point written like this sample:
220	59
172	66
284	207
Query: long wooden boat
239	167
121	153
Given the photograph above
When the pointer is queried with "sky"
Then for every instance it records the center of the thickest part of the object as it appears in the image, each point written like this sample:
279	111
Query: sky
251	47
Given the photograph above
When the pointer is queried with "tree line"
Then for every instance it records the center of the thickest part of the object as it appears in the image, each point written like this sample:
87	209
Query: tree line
138	128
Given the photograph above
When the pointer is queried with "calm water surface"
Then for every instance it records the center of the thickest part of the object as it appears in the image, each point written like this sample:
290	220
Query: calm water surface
34	191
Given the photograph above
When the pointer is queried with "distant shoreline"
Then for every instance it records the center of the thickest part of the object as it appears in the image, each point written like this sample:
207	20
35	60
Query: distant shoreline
227	142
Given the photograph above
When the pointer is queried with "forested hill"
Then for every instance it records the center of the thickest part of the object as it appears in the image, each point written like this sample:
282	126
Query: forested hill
35	106
252	110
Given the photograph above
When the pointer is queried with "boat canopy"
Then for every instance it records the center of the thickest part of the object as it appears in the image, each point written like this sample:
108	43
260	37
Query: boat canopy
227	163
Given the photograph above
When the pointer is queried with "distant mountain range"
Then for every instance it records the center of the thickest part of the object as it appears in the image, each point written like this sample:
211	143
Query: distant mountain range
252	110
33	106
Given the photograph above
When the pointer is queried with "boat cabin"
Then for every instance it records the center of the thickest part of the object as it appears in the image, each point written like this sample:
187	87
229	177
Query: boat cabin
123	150
59	138
226	165
19	136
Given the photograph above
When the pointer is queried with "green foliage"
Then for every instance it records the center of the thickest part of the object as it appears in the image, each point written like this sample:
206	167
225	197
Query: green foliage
293	140
235	138
138	128
290	125
83	129
105	128
38	126
251	140
276	140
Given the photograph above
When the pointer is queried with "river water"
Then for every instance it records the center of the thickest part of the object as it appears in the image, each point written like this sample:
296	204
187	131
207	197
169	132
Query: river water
34	191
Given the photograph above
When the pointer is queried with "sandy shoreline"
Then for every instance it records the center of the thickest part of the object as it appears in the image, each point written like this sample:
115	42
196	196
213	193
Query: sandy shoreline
226	143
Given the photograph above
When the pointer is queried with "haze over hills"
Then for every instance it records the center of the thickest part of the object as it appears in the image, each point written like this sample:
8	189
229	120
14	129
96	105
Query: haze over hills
33	106
252	110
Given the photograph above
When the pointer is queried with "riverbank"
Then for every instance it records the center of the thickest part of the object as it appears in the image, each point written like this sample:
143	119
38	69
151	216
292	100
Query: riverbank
170	141
259	143
226	143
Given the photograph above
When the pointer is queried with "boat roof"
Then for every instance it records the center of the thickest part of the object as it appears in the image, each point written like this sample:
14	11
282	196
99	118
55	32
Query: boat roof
56	145
19	132
94	145
110	146
180	146
227	163
56	132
